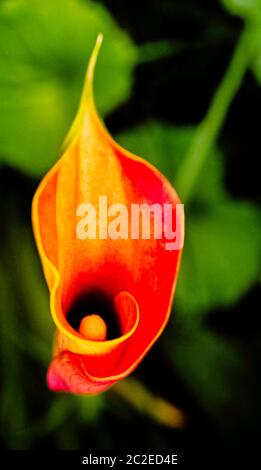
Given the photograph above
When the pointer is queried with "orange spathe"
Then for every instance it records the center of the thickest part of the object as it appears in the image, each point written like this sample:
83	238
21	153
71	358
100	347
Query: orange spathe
136	277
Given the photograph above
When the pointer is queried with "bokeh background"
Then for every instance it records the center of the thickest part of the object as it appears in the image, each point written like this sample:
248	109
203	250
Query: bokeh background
177	82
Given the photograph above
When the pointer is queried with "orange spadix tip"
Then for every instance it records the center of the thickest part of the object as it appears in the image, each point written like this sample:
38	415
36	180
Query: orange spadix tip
93	328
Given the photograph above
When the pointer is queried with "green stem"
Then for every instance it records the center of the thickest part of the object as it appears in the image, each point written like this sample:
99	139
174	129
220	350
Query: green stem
208	130
157	408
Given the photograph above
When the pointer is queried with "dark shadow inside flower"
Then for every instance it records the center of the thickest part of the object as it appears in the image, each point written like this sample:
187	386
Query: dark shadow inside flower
99	303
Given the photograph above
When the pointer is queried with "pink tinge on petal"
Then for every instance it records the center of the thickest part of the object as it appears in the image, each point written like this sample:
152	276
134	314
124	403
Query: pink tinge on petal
67	373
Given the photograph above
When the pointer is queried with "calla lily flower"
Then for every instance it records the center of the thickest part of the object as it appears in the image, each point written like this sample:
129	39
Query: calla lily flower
110	298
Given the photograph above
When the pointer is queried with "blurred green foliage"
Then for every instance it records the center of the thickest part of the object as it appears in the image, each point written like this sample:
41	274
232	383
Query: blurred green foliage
250	11
212	369
245	8
44	50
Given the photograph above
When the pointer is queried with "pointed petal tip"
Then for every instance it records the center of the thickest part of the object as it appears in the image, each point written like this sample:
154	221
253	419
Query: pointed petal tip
99	39
87	94
93	60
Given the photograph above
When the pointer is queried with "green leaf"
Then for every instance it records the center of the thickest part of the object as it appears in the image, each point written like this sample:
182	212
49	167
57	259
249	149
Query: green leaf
243	8
221	258
44	51
222	237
